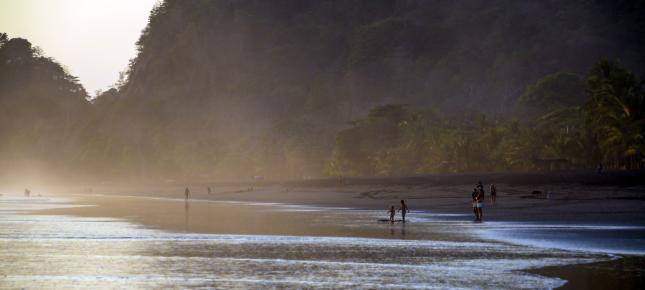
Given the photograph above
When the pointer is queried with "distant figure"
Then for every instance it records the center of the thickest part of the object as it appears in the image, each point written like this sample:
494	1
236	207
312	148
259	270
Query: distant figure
493	193
209	190
187	193
480	185
480	203
600	168
404	209
474	199
27	192
392	212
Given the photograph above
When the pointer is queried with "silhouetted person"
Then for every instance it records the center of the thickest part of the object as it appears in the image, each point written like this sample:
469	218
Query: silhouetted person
474	199
404	209
600	168
27	192
480	203
187	193
209	190
493	193
392	212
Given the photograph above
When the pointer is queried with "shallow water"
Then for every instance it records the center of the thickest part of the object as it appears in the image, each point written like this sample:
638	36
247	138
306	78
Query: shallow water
54	251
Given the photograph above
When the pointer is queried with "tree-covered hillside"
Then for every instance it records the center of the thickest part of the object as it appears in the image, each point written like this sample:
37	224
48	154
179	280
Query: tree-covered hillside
43	112
238	88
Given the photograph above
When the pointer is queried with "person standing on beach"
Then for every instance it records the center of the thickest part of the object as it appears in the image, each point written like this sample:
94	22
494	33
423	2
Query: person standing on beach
391	212
474	198
404	209
209	190
27	192
187	193
480	203
493	193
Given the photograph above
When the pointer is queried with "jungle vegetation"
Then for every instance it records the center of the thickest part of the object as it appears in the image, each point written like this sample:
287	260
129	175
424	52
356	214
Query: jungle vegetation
297	88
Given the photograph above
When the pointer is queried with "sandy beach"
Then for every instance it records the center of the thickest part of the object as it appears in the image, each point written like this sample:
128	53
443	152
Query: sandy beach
577	237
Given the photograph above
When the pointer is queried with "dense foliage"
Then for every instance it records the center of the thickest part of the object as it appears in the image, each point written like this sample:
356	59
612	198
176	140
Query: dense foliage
606	125
233	89
43	112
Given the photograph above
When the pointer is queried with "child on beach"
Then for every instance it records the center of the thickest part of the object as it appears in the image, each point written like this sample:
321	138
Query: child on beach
392	212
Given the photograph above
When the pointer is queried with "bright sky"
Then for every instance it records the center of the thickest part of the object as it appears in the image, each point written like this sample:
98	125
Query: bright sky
94	39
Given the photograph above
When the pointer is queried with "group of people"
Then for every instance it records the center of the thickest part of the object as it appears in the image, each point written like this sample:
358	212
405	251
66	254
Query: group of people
403	209
479	196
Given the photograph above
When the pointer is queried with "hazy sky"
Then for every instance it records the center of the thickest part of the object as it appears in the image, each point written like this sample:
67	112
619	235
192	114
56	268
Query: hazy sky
94	39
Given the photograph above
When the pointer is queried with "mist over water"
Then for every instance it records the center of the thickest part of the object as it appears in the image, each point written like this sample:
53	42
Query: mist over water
75	252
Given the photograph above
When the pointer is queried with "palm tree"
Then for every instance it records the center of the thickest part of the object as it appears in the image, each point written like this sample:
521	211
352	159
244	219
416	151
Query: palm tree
616	114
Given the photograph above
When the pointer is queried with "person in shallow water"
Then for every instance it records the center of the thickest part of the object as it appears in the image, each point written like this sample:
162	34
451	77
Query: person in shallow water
187	193
391	212
404	209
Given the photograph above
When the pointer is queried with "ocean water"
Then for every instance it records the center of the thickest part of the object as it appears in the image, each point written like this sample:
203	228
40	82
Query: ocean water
47	251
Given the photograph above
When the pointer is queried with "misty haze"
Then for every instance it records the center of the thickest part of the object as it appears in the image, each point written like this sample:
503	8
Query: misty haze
323	144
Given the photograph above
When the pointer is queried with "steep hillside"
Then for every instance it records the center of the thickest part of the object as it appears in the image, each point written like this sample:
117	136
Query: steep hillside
43	113
262	87
241	88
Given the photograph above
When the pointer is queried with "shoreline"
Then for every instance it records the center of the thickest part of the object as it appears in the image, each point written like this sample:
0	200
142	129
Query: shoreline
569	203
578	276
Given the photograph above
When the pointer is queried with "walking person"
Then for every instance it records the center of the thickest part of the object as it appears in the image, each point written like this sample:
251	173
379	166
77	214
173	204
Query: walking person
475	194
493	193
187	193
404	209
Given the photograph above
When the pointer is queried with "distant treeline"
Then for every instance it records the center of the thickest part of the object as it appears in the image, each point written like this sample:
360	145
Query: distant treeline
561	122
236	89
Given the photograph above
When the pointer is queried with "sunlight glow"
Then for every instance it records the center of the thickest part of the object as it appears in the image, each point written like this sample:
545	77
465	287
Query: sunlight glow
94	39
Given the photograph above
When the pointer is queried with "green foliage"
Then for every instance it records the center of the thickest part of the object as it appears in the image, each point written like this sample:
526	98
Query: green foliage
394	140
232	89
553	92
616	113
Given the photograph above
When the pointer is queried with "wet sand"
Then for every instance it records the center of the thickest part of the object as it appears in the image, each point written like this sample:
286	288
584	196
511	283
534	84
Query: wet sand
578	221
625	273
49	249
